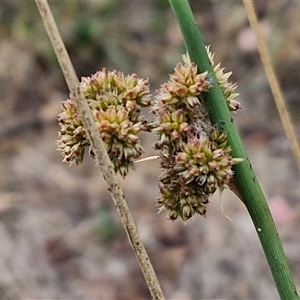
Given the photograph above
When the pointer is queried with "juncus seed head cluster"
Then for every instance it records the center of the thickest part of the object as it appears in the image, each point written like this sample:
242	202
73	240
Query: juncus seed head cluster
115	101
195	156
228	88
177	104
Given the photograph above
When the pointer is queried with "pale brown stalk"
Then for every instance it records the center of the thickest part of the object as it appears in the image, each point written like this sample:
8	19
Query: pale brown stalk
273	82
100	151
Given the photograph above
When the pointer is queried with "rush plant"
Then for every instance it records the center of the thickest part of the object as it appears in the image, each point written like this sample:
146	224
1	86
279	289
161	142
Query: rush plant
197	142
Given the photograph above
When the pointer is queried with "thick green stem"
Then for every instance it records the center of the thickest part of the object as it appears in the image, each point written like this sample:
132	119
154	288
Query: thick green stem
245	180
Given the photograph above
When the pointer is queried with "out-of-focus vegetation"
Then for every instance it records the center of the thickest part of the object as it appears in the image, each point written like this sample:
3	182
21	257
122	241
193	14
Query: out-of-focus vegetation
60	235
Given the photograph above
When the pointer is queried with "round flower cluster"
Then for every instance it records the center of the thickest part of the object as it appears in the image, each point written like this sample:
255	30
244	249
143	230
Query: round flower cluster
177	104
193	174
195	157
115	101
228	88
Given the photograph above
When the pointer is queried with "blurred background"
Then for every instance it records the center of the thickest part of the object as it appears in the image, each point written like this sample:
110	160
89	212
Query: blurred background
60	235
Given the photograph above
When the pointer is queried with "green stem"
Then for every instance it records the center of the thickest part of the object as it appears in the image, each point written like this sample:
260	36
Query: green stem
245	179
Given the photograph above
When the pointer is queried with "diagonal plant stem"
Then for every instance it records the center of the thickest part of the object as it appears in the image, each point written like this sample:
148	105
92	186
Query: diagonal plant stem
246	183
100	151
273	82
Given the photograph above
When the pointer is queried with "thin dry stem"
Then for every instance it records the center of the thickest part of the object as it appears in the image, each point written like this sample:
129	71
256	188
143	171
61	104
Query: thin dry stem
100	151
273	82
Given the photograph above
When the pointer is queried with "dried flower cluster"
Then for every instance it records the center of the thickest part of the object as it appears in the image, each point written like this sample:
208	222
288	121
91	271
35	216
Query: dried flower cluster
228	88
195	157
115	101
